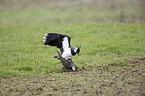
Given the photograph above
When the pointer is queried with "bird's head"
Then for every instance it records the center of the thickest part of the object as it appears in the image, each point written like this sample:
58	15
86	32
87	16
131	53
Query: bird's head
77	50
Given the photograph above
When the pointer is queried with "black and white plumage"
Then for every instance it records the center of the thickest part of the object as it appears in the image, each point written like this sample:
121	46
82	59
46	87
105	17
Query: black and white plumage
63	43
67	63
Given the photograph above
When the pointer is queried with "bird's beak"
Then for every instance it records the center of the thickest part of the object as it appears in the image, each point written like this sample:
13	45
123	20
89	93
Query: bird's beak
78	54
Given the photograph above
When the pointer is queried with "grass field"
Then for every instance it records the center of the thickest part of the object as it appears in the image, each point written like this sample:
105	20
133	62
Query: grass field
112	57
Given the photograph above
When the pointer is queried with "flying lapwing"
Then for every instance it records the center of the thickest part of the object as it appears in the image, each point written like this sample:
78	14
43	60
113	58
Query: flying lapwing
63	43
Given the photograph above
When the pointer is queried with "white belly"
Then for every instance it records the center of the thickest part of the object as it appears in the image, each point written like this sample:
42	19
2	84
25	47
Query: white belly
67	54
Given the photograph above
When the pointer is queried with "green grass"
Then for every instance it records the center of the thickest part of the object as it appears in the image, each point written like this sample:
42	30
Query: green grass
64	16
23	52
111	35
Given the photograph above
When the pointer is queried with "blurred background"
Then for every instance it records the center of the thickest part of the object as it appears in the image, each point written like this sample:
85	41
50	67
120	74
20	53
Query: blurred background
71	11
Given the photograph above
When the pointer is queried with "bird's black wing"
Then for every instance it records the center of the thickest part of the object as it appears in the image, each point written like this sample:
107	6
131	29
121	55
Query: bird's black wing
54	39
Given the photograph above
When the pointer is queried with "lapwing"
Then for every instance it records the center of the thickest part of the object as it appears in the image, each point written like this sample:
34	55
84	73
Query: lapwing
68	64
63	43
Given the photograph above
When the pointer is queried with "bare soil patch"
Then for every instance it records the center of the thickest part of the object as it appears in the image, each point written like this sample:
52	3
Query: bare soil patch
118	78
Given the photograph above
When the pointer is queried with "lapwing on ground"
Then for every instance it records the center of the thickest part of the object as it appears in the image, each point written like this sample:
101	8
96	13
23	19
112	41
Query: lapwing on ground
63	43
68	64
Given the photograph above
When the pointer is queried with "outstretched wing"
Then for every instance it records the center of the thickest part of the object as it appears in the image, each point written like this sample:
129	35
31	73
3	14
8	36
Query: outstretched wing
58	40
